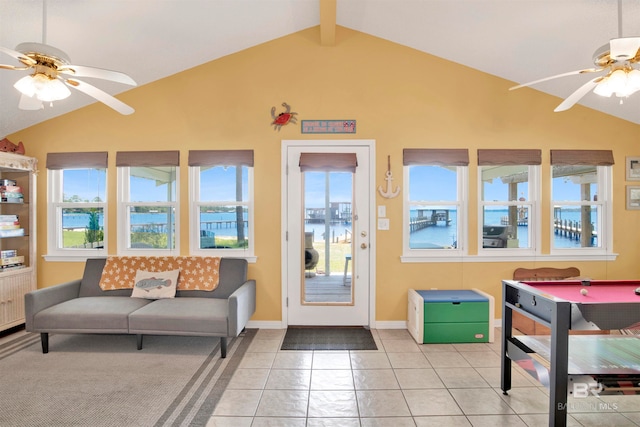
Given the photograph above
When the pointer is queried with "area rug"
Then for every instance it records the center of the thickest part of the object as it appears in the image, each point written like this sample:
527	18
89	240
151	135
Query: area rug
328	338
103	380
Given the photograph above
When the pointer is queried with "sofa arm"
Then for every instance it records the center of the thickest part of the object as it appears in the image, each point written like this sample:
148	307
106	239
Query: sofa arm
242	305
38	300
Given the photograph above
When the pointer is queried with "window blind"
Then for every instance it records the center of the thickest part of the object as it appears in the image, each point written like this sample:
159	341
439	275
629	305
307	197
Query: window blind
346	162
148	158
582	157
220	157
435	156
97	159
509	157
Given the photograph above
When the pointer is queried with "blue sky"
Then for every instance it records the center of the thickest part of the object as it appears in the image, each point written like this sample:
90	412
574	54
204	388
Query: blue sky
219	184
216	184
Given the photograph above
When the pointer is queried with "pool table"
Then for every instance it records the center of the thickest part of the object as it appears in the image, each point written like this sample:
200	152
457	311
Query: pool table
562	306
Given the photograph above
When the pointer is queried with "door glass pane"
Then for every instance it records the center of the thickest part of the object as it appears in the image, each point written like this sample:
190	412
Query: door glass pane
328	242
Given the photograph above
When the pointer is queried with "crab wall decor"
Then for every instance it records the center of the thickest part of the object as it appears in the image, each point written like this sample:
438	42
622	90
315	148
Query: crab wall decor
283	118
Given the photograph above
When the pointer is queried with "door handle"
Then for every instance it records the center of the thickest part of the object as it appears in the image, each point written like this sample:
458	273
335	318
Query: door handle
364	246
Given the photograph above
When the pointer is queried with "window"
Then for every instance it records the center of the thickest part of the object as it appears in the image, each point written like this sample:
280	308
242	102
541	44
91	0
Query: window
77	200
581	192
221	202
508	199
434	207
148	210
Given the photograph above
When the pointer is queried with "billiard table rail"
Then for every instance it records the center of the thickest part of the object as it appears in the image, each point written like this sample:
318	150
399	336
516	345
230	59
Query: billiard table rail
538	306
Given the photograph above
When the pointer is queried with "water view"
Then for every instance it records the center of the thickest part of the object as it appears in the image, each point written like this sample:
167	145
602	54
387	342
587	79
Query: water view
441	235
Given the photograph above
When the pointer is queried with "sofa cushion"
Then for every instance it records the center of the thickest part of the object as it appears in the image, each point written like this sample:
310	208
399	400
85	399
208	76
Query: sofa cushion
182	316
155	284
233	274
89	286
104	314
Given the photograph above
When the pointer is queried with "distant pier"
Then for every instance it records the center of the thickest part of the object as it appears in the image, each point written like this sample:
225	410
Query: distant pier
561	227
429	218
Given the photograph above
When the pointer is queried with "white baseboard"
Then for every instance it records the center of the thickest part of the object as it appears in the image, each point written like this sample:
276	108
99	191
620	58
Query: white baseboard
265	324
391	324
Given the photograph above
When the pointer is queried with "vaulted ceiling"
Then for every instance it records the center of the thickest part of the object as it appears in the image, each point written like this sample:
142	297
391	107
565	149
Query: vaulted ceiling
518	40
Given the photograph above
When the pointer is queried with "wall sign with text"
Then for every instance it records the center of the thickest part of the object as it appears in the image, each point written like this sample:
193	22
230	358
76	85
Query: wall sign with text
328	126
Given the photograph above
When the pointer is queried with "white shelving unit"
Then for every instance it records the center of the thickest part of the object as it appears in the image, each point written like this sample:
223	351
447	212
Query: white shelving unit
15	283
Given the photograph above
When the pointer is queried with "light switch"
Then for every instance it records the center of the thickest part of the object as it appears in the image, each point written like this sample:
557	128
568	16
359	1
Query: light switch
382	211
383	223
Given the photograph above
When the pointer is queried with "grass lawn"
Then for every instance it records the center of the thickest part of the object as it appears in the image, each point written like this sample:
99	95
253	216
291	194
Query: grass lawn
72	238
338	251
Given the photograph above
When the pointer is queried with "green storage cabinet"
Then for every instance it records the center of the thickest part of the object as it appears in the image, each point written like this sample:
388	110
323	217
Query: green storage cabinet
452	316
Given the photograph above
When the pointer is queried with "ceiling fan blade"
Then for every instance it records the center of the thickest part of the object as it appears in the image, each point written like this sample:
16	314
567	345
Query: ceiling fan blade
578	94
30	103
12	67
98	73
570	73
19	56
101	96
624	48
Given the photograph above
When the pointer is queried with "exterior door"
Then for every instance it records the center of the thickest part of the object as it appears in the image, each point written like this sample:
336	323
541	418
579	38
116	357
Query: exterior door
327	254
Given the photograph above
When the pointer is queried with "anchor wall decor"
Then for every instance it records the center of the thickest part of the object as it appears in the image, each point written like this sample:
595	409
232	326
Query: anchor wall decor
389	193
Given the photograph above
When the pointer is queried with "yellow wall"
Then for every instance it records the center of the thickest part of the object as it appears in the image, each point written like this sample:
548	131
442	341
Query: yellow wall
400	97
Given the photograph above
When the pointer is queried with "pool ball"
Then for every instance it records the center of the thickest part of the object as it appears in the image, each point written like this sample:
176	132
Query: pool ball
584	291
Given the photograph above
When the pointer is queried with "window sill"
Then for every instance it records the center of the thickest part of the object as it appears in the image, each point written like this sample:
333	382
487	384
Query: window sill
503	257
83	258
72	257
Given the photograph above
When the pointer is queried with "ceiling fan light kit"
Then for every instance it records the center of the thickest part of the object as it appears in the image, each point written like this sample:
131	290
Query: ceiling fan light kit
49	82
617	59
622	82
43	87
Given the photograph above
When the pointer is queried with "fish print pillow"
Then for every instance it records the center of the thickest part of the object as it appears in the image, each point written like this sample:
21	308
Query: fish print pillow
155	284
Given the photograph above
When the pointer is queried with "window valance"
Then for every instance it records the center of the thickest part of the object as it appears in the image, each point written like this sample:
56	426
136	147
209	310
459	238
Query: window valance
582	157
221	157
346	162
148	158
435	156
96	159
509	157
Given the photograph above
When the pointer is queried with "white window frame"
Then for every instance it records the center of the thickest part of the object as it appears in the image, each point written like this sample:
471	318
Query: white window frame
533	204
55	205
605	220
438	255
194	214
124	225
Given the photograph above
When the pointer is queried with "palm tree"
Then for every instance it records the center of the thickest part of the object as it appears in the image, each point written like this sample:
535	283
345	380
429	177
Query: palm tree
93	232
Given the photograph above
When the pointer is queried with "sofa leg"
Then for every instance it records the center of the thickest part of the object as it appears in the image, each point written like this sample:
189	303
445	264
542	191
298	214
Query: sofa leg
223	347
44	339
139	341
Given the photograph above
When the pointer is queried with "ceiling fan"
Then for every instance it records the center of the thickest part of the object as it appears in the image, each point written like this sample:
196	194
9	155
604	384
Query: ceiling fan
616	60
51	74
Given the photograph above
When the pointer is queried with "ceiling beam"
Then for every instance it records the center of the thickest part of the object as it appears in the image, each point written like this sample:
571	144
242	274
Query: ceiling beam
328	22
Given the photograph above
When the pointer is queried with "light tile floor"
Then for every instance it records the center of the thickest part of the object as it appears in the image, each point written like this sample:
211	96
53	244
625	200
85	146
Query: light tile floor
400	384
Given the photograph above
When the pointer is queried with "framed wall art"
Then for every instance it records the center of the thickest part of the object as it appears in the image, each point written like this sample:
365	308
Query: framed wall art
633	168
633	197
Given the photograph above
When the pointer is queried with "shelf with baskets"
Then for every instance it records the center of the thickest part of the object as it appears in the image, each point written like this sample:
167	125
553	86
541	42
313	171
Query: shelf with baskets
17	235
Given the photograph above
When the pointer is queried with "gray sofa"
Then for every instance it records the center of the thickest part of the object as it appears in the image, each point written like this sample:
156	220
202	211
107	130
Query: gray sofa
81	306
